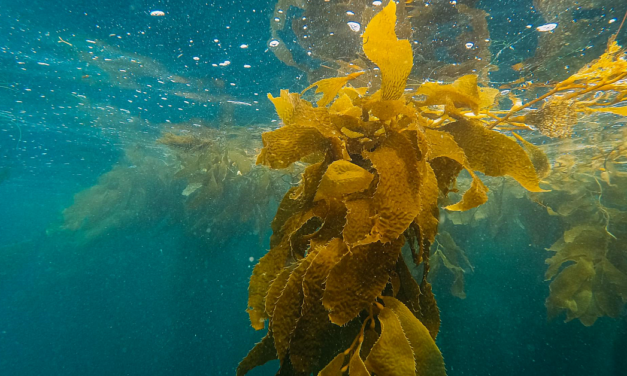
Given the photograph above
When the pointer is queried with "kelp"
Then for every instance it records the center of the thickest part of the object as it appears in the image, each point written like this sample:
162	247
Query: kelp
137	192
218	169
191	178
587	270
591	286
335	260
597	86
581	222
448	255
327	35
382	162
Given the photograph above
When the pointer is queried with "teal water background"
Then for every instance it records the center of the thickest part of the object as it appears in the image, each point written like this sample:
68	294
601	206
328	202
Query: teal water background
151	300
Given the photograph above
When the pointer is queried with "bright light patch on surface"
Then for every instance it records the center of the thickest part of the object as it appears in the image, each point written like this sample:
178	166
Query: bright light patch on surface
355	26
376	3
157	13
547	27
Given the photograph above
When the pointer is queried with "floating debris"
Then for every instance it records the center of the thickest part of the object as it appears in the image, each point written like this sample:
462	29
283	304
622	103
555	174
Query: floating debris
547	27
240	103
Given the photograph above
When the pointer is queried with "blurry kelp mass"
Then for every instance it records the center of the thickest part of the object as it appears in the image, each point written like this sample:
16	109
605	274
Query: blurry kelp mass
194	176
218	168
334	287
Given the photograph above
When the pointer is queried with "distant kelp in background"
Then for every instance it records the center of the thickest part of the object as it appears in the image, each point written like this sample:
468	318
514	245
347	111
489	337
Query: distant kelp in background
196	177
137	192
225	192
588	264
587	206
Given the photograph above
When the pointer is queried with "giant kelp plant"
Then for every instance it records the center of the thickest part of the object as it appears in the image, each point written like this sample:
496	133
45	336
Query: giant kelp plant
334	287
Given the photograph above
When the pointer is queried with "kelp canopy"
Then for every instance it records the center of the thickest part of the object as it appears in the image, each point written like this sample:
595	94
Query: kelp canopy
334	287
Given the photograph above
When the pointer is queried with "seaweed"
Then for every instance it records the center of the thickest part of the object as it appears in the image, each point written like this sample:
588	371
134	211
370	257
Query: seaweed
597	87
447	254
328	33
373	186
193	178
136	192
218	169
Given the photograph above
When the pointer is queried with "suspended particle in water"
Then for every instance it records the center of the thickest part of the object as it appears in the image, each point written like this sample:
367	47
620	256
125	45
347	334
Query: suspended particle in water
469	45
547	27
273	43
157	13
355	26
243	46
376	3
251	259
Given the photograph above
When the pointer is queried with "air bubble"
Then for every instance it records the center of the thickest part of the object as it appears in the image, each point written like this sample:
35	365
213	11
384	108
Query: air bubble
355	26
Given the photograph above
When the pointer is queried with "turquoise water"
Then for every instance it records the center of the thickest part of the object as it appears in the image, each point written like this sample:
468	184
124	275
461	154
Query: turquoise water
82	83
